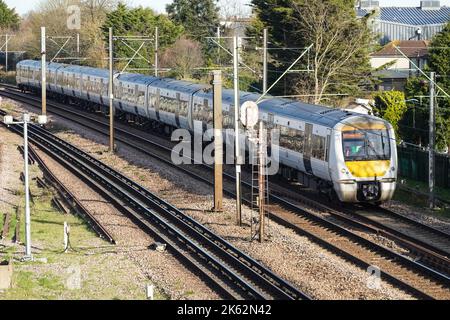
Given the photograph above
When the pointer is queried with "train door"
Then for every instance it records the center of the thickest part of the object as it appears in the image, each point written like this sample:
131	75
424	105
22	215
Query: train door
319	153
269	127
157	102
308	148
327	152
177	109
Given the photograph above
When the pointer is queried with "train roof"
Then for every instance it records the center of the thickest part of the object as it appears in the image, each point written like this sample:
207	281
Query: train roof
92	71
322	115
179	85
137	78
29	63
318	114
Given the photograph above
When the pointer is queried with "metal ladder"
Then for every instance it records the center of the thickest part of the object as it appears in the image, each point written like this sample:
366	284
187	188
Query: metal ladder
260	187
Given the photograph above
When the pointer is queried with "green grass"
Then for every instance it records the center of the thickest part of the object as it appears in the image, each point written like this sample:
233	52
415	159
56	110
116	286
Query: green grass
2	218
443	193
103	273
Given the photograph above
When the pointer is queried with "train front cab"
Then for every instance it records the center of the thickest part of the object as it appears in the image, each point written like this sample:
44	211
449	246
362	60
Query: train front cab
365	164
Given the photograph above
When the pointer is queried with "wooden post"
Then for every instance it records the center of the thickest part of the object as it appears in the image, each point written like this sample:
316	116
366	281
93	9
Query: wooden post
218	142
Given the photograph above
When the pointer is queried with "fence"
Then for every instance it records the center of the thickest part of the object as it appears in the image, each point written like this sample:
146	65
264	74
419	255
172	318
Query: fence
413	164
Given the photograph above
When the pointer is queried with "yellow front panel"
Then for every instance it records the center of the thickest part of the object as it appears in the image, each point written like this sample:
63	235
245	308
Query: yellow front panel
368	169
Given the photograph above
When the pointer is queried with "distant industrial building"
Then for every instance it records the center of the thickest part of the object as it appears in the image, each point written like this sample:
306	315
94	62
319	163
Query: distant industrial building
405	23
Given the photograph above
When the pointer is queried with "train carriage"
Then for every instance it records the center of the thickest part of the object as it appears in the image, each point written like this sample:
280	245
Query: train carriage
28	74
174	99
350	155
131	94
94	85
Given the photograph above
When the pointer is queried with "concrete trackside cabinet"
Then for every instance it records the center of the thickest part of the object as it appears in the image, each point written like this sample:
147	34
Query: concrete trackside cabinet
6	271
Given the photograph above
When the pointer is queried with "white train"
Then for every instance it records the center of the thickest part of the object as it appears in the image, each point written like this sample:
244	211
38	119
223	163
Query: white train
351	155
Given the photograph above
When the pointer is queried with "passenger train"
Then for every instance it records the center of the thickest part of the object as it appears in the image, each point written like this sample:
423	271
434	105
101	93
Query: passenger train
349	155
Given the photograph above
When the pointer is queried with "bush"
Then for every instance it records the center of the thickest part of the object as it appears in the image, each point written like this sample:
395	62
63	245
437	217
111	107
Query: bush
391	106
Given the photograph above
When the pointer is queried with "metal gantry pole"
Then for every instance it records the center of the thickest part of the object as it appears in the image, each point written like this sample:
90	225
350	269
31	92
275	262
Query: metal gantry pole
111	92
43	73
28	254
78	43
265	60
236	128
261	181
6	53
431	143
218	47
218	142
156	51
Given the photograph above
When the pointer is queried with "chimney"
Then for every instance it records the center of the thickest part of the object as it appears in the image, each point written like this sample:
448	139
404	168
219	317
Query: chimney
430	5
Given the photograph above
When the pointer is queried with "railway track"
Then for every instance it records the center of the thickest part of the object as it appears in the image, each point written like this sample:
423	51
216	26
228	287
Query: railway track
236	274
426	244
413	276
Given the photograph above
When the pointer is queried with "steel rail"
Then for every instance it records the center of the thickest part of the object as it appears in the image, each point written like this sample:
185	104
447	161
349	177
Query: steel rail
430	253
205	180
265	278
270	285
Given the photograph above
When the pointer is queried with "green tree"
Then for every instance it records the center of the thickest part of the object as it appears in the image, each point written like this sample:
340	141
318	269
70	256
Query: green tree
391	106
440	56
200	18
418	88
139	22
9	19
339	59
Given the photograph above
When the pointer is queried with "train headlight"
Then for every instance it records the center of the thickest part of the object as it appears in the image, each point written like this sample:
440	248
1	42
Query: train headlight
393	169
343	170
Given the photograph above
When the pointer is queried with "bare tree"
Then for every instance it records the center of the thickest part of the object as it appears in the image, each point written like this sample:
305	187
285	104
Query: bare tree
54	15
341	44
183	57
233	8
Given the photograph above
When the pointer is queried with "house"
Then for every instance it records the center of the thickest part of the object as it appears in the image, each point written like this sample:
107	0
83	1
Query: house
399	68
405	23
362	106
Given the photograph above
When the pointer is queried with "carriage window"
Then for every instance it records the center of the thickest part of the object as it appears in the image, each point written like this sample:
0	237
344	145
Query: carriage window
228	118
291	139
60	78
117	91
141	98
104	87
183	108
318	147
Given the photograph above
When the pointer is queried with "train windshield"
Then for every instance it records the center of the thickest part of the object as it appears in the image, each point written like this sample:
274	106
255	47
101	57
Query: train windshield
364	145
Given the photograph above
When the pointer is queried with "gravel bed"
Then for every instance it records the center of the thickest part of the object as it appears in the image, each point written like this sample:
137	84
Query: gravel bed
318	272
321	274
421	215
163	269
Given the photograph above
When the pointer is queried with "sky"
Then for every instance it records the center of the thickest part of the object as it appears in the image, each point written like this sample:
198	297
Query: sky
23	6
